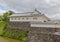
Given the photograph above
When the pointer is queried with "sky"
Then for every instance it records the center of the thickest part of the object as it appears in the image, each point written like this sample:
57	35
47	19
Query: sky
51	8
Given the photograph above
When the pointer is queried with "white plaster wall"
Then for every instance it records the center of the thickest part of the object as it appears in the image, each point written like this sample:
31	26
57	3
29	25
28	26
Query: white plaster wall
29	19
53	25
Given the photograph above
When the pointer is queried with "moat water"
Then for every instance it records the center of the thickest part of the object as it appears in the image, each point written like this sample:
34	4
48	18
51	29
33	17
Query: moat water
4	39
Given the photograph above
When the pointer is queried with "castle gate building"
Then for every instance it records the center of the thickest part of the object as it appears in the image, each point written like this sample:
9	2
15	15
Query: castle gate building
41	28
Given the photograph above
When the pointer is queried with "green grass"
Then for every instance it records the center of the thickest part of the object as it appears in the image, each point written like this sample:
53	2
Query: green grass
5	39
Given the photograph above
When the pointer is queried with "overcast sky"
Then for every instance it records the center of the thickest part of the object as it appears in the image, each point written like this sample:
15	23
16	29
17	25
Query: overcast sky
49	7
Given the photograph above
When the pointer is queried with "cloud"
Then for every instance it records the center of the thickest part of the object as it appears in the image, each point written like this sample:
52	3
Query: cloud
56	16
2	2
49	7
1	12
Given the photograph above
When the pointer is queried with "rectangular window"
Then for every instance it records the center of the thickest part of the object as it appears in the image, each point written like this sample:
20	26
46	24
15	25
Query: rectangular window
18	18
22	18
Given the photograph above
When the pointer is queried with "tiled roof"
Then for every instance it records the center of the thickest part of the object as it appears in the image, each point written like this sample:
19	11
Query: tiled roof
27	13
21	14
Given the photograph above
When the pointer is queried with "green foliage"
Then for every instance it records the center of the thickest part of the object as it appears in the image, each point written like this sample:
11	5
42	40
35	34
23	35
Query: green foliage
0	18
2	26
4	20
6	14
15	34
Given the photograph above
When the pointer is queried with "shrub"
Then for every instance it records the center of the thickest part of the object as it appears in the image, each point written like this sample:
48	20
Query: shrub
15	33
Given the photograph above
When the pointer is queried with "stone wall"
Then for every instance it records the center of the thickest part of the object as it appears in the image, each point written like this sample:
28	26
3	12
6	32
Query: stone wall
19	25
40	35
56	38
37	34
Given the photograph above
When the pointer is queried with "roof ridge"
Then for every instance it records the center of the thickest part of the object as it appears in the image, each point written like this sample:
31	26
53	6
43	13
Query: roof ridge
23	13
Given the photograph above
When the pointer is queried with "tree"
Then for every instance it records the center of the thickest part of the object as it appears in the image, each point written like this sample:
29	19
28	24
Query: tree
5	17
4	21
1	18
6	14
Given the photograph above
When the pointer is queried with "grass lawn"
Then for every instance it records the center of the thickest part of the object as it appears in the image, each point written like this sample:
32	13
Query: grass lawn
4	39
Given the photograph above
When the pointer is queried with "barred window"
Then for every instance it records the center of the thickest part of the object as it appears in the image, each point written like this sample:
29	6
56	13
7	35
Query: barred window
18	18
22	18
